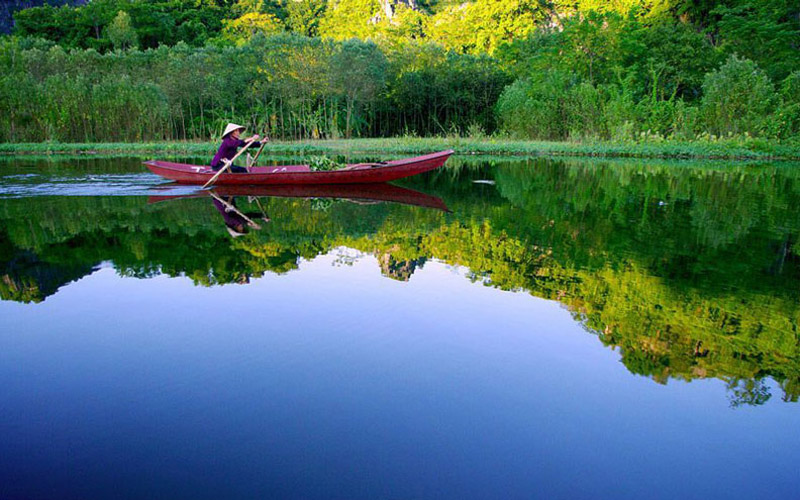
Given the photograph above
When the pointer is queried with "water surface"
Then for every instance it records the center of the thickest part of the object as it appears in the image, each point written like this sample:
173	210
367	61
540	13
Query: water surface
567	329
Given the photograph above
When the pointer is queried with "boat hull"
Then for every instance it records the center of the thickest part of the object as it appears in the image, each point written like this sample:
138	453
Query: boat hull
301	174
353	192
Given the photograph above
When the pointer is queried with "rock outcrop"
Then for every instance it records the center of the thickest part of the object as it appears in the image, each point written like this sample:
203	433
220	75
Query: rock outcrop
389	9
8	7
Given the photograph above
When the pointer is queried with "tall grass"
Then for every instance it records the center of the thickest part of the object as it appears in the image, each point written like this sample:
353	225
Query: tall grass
729	148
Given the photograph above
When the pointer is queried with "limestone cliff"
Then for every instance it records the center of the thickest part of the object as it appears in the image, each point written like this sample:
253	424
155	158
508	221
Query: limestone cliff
8	7
389	8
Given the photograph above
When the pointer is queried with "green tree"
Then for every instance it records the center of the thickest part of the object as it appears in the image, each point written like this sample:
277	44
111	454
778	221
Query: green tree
121	32
737	98
345	19
765	31
483	25
667	58
785	123
359	74
246	26
536	107
303	16
650	8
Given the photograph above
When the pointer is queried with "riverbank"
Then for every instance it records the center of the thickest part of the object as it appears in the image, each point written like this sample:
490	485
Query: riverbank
733	149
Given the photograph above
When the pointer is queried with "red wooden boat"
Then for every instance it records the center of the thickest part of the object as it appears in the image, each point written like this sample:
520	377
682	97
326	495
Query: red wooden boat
358	173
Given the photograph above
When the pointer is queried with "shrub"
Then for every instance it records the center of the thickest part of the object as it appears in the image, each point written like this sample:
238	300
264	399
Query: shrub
620	112
515	109
685	121
790	88
586	112
737	98
536	107
786	121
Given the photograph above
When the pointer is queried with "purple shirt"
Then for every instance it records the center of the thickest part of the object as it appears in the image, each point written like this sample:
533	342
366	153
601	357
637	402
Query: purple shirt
228	148
232	219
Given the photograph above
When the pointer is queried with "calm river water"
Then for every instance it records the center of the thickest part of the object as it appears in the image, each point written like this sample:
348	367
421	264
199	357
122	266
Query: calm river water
499	329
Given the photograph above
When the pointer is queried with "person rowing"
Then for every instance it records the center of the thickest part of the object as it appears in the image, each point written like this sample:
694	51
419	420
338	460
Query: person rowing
237	222
231	142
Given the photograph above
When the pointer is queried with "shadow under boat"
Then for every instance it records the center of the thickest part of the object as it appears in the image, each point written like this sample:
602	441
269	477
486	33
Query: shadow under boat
353	192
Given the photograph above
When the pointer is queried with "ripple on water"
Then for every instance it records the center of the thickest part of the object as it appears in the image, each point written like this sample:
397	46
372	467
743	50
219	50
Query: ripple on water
137	184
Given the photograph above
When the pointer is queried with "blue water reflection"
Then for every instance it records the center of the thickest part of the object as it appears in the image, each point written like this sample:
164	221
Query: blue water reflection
334	381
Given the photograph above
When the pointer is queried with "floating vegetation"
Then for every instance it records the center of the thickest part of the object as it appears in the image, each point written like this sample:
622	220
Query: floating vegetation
322	204
324	163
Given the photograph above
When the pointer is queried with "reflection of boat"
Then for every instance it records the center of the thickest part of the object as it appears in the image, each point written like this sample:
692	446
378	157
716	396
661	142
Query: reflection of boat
301	174
354	192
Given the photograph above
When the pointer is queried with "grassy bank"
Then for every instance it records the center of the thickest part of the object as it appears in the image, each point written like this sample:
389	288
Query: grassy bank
750	149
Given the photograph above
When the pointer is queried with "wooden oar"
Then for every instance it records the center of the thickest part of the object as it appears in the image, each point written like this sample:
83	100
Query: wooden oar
227	164
263	143
231	208
265	217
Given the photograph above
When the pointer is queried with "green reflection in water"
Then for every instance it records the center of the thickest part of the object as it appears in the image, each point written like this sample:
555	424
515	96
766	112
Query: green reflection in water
691	271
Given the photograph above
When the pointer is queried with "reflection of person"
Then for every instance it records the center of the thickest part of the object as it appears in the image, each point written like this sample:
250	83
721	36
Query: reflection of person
237	223
230	144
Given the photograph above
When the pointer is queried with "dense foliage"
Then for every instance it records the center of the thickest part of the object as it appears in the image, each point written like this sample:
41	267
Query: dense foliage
9	7
287	85
627	70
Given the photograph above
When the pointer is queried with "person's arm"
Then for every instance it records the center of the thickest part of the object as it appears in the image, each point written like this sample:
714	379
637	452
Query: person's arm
230	142
256	144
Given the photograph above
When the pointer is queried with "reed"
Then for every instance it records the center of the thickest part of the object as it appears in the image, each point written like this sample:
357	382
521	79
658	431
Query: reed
731	149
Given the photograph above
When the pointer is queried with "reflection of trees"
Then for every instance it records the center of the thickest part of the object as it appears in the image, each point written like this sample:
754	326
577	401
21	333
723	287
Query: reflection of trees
691	275
690	272
400	270
24	278
752	392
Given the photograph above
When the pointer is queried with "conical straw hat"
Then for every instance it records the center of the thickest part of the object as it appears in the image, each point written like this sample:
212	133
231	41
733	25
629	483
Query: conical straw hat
230	128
